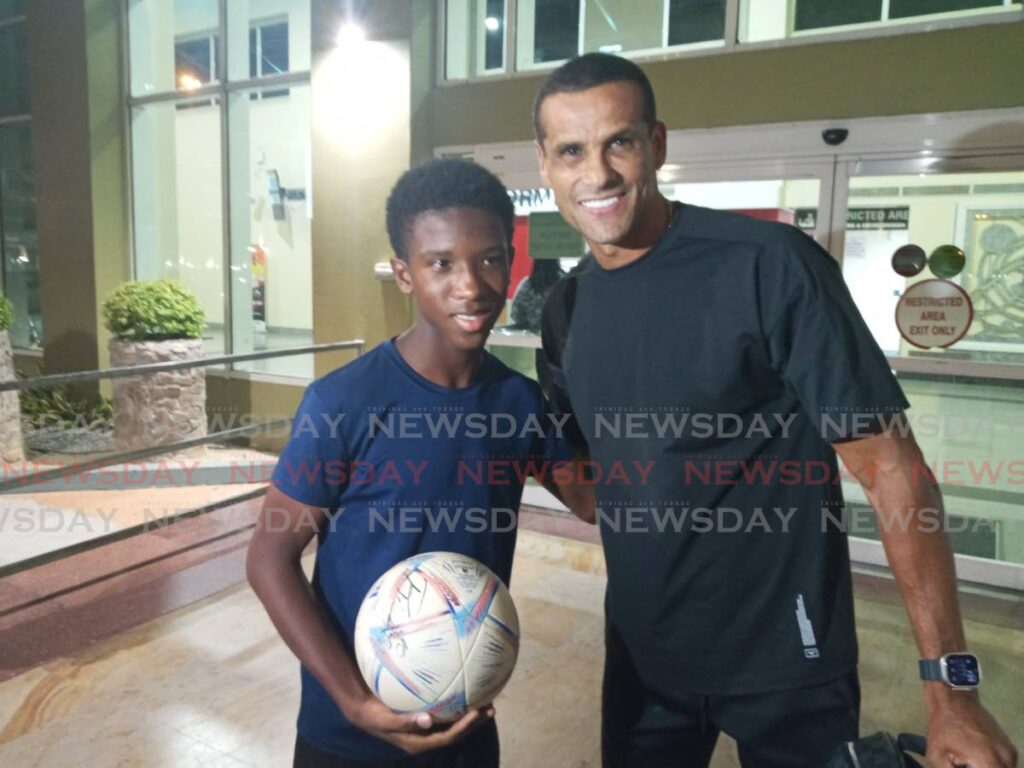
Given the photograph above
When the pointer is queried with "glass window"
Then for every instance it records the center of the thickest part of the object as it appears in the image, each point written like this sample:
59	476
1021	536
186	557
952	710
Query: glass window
815	14
181	179
695	21
176	165
551	31
268	49
268	55
901	9
778	19
271	228
624	26
615	26
14	91
18	233
11	8
195	61
547	31
268	38
982	214
475	38
969	426
170	40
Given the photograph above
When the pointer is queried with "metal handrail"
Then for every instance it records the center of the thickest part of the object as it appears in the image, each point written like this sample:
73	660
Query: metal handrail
18	483
141	370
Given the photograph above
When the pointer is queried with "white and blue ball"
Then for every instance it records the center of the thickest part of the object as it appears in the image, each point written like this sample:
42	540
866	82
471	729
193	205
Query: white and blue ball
437	633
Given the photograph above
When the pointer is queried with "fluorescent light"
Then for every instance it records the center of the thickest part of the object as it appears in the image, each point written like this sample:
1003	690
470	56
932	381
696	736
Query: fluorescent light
350	34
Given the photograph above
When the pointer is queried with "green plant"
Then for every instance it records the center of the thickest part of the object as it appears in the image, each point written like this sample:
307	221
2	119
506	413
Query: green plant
153	310
6	313
57	408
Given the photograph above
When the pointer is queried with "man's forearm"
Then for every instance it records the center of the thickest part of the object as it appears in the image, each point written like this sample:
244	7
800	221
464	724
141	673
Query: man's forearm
912	524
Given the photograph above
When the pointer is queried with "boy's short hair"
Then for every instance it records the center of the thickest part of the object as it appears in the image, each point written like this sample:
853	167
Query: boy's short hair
440	184
589	71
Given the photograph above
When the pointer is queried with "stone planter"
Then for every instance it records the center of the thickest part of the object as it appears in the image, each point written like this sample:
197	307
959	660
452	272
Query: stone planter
10	407
159	408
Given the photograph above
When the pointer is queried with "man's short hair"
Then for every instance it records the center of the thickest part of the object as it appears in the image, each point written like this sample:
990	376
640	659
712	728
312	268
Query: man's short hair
440	184
589	71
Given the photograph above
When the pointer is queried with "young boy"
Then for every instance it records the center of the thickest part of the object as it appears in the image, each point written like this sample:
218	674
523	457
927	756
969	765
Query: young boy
385	462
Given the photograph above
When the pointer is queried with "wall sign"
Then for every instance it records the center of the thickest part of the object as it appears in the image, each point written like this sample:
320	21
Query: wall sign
934	313
886	217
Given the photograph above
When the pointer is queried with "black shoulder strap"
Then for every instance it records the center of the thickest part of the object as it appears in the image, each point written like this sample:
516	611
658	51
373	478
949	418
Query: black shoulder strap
556	318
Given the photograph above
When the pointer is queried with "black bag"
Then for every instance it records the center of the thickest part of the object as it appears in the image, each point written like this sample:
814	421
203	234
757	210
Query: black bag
880	750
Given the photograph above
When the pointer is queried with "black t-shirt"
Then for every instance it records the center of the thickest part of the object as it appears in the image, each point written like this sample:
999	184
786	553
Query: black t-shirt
708	378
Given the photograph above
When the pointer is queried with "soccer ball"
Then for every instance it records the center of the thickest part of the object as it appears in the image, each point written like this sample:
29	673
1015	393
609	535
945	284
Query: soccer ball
437	633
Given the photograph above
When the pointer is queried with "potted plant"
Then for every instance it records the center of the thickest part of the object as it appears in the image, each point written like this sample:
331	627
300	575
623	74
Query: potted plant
10	407
152	322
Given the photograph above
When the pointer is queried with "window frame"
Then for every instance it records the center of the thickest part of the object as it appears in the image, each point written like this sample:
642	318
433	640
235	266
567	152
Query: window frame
219	90
1009	13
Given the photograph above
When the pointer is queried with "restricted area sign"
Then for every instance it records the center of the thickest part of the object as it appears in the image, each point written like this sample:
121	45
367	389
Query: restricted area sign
934	313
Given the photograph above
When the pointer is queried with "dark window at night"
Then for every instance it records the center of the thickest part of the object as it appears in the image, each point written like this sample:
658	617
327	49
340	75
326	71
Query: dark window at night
195	61
494	39
695	21
901	9
817	14
11	8
268	55
556	30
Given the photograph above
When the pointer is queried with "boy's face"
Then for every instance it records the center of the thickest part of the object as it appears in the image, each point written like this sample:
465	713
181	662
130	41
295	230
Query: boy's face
458	272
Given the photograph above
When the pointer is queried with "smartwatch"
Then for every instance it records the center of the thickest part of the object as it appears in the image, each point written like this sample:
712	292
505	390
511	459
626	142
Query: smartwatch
960	671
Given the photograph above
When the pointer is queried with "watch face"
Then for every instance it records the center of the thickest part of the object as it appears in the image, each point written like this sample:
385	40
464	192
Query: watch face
962	669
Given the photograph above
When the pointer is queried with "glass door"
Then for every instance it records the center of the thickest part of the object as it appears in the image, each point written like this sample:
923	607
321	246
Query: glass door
933	253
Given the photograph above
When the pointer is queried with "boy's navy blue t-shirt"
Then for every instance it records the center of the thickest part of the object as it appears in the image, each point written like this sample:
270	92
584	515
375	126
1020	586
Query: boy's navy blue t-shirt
407	466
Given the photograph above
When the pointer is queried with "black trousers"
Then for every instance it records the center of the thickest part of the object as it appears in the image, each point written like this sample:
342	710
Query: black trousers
478	750
799	728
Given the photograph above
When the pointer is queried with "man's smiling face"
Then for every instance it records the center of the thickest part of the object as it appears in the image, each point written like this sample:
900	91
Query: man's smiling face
601	159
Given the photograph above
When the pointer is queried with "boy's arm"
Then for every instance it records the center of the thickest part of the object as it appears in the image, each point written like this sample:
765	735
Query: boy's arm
890	467
568	485
274	569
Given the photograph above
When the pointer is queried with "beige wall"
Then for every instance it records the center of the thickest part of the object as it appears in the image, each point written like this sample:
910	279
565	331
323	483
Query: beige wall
358	154
958	69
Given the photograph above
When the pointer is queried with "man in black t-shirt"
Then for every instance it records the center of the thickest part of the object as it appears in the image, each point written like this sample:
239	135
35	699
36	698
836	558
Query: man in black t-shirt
715	365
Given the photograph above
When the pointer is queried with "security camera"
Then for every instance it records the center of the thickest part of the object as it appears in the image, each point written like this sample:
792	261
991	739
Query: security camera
834	136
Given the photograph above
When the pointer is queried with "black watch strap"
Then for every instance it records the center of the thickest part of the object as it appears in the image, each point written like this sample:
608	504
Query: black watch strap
931	669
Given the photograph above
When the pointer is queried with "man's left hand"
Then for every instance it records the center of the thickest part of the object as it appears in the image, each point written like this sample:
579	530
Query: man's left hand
961	732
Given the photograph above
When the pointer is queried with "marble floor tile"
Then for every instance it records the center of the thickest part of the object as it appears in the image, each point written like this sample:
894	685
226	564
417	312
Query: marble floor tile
211	684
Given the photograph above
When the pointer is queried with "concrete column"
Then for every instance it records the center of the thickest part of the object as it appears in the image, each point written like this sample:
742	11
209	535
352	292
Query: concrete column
75	76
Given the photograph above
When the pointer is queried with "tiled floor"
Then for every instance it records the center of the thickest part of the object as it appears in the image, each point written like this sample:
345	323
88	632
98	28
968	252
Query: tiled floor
211	684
